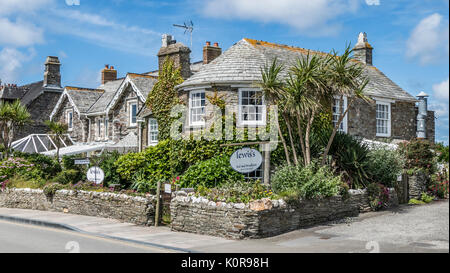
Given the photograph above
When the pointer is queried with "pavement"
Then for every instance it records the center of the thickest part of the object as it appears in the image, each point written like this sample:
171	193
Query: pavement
405	229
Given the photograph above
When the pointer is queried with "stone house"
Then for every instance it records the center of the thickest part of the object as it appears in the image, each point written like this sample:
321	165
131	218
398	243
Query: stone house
36	97
392	116
107	113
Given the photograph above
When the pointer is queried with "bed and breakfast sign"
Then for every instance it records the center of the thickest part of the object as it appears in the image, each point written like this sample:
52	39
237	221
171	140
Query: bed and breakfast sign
245	160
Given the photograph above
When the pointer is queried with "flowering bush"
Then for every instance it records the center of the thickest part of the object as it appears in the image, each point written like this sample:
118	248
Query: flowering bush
418	155
14	165
378	196
439	184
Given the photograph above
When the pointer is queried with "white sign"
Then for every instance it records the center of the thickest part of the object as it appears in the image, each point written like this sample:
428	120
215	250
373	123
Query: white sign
81	161
245	160
167	188
96	175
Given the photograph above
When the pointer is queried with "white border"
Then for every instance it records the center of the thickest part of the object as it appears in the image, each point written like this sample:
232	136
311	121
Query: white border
198	123
240	122
388	104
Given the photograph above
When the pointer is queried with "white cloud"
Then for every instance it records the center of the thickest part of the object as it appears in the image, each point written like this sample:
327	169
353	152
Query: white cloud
373	2
305	15
429	40
22	6
12	61
441	90
19	33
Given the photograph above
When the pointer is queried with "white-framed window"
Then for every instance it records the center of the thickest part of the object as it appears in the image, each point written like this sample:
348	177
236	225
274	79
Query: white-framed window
132	112
152	132
69	119
257	174
197	103
337	111
252	109
99	128
383	119
106	128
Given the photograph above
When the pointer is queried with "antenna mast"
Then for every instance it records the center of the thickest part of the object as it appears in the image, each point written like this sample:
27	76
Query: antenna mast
188	27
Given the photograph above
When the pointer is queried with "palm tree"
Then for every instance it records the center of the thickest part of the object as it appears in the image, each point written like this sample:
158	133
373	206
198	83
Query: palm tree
346	78
308	92
58	130
273	91
13	116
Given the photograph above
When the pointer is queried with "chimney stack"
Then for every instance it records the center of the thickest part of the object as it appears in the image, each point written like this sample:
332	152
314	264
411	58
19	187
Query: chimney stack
422	115
52	75
363	50
108	74
177	52
211	52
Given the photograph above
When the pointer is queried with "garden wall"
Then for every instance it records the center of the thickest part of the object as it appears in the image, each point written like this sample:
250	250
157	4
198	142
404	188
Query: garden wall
131	209
262	218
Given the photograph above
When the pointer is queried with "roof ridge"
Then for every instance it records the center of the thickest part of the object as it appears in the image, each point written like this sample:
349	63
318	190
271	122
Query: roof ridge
76	88
255	42
142	75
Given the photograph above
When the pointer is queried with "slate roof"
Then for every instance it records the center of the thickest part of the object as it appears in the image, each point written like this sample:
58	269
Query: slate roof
242	63
144	83
110	89
83	98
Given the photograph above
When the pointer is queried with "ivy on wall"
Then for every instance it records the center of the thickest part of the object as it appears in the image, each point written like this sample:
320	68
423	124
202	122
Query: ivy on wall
163	97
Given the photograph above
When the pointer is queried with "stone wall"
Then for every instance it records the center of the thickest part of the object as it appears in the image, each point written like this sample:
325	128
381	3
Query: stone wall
262	218
137	210
417	184
78	131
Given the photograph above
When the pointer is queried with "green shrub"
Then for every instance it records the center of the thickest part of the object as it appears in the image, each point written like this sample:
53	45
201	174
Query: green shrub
19	181
107	164
415	202
236	192
210	173
442	153
426	198
385	165
309	182
418	155
347	154
51	189
48	166
68	177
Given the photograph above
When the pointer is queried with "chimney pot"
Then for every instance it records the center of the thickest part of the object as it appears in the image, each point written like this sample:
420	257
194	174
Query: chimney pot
210	53
108	74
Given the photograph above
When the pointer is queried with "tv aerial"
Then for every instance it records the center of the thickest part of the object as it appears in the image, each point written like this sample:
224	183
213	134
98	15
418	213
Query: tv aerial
188	27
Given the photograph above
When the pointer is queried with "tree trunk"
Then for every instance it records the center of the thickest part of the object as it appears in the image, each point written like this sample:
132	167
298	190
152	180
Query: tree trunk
300	133
333	134
286	151
307	135
291	139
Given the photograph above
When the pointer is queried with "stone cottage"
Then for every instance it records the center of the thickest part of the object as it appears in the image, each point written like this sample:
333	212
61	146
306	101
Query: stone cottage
38	97
392	116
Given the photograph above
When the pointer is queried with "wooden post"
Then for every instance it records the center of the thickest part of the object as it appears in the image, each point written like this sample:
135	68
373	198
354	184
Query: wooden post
266	151
158	196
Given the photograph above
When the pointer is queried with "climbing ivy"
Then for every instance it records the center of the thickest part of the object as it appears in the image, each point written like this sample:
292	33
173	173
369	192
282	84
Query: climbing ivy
163	97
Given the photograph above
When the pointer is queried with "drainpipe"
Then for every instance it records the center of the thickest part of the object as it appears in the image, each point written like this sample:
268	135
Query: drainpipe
140	121
422	115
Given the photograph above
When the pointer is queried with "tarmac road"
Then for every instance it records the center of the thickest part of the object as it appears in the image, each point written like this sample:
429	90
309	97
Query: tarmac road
25	238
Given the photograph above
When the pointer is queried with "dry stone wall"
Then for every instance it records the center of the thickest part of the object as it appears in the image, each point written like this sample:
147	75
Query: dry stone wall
131	209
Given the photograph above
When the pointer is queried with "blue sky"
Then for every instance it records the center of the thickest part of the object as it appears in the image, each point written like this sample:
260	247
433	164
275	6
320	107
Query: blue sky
410	37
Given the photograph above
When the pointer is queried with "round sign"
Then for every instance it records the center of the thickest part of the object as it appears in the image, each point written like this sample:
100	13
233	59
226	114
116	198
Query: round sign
96	175
245	160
